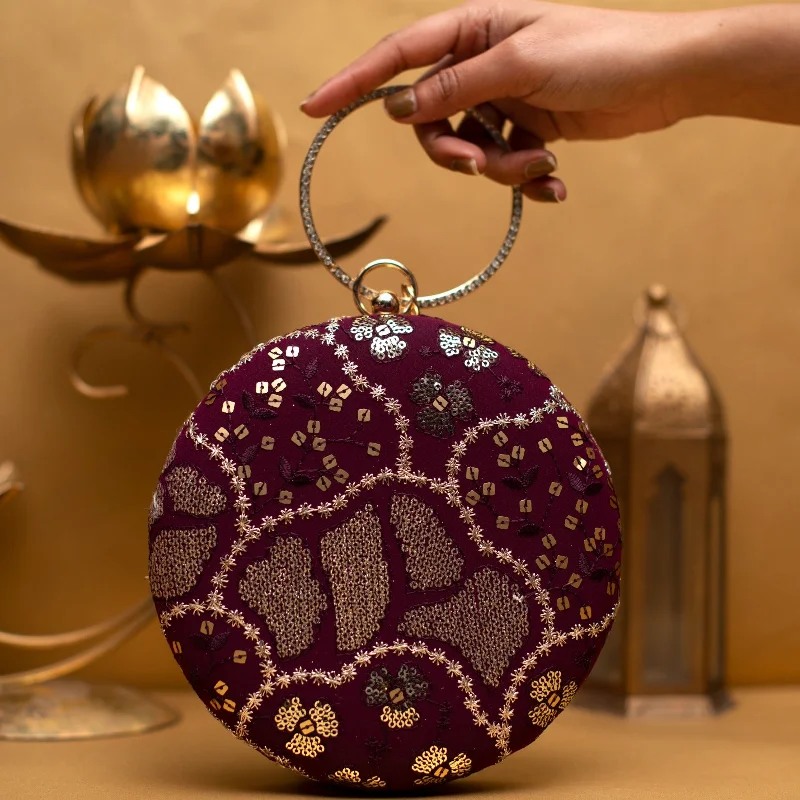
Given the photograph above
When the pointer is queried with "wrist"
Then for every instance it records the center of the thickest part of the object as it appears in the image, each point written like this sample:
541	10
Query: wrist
740	62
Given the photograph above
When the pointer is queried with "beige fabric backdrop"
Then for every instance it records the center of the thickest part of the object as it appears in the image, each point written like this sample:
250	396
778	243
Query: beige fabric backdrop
709	207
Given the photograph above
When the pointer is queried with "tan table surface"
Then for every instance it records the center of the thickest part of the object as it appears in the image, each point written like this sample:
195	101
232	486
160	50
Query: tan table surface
752	753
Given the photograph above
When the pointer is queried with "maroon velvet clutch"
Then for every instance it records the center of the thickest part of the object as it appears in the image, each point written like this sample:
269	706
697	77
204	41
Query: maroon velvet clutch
385	551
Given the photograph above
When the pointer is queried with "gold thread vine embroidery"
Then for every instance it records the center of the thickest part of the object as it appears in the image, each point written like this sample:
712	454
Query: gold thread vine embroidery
352	555
487	620
177	558
191	493
432	559
283	591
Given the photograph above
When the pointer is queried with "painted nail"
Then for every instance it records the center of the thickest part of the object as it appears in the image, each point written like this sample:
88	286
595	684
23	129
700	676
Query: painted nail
547	194
402	104
543	165
469	166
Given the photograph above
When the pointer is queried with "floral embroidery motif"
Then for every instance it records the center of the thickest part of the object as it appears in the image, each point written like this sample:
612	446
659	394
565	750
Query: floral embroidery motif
443	404
435	768
351	777
509	388
551	696
466	342
383	333
396	693
314	725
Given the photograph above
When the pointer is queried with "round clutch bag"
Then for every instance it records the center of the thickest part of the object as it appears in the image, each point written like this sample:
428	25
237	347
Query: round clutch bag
385	550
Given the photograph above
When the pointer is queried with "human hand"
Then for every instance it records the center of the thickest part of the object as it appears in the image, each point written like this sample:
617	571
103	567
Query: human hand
554	71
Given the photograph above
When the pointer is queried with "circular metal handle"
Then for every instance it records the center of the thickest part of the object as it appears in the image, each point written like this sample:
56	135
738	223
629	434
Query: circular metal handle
327	259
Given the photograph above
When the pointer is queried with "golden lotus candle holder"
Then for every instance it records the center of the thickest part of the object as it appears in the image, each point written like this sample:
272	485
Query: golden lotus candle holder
171	194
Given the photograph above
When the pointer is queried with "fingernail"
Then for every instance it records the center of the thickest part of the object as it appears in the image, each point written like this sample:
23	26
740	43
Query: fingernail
543	165
548	194
402	104
469	166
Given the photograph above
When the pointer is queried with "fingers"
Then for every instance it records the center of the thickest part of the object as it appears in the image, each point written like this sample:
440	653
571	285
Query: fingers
545	190
448	150
472	151
526	160
418	45
477	80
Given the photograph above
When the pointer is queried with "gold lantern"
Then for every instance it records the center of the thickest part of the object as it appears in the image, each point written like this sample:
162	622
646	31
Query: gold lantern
659	421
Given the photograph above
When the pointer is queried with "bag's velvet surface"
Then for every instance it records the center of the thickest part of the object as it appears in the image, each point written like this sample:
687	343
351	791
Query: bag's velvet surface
385	551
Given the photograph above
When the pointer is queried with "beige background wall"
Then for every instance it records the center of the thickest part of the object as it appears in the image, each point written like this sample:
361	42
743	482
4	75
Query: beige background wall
710	208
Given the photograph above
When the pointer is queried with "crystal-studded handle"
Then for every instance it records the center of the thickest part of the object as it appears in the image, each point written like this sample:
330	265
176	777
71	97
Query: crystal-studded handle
325	257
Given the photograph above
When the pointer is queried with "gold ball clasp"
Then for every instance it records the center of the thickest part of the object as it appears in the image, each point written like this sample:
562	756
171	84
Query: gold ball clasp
386	302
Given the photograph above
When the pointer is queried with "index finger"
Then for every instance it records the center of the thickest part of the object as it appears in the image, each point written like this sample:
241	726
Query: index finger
418	45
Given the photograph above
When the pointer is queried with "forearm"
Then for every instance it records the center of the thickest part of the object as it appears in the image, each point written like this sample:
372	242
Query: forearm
740	62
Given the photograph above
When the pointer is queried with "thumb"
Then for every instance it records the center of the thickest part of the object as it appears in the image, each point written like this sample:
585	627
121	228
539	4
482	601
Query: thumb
489	76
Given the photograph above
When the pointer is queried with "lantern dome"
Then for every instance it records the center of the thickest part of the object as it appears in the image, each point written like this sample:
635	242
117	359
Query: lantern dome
657	387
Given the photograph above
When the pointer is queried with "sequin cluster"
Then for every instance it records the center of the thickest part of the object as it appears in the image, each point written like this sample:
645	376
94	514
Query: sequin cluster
177	558
432	558
284	592
352	555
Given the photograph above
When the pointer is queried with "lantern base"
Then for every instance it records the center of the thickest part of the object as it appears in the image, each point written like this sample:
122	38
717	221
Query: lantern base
71	710
661	706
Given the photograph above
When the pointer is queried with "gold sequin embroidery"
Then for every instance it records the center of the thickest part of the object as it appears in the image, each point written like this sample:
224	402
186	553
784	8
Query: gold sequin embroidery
192	494
352	777
435	768
177	558
551	696
314	725
487	620
352	555
432	558
283	590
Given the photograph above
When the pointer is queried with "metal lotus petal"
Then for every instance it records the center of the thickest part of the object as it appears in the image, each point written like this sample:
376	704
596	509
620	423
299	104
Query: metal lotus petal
195	247
240	146
201	247
73	257
139	152
78	154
